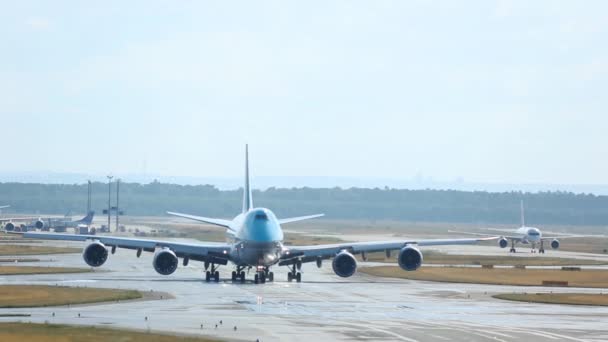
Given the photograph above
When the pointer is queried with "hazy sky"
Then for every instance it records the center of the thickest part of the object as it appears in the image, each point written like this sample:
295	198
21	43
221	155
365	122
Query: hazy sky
494	91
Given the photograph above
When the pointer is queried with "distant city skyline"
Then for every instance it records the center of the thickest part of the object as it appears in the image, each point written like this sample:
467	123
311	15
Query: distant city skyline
506	92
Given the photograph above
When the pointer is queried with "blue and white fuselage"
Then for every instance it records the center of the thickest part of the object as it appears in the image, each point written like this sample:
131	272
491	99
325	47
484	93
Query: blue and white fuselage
257	238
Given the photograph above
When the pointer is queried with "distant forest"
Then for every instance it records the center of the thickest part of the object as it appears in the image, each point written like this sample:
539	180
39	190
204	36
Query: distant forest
356	203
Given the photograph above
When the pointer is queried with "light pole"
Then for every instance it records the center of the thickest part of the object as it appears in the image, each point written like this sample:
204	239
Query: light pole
109	200
117	198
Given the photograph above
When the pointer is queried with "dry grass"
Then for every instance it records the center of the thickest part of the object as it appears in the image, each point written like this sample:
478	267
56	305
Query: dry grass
496	276
25	296
557	298
18	332
431	257
35	250
21	270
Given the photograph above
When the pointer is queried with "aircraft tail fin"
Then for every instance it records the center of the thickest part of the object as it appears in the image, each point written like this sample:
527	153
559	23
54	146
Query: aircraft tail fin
247	197
87	219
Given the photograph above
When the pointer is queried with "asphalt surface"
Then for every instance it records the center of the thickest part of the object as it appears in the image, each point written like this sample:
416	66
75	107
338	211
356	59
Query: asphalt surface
324	307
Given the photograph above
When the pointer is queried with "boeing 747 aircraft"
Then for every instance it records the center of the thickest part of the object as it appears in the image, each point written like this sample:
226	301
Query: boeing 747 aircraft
256	242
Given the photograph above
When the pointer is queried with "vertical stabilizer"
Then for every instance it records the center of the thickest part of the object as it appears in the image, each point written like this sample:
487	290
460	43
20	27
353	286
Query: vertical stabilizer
523	222
247	198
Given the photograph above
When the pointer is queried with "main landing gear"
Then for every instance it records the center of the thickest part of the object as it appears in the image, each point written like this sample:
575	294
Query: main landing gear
261	276
294	274
238	275
212	274
512	250
542	247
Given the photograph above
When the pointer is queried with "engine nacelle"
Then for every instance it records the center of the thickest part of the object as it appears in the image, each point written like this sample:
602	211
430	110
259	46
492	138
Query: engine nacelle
555	244
165	261
344	264
410	258
39	224
9	227
95	254
503	242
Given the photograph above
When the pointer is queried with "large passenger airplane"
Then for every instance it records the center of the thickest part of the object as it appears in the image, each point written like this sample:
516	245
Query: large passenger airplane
525	235
256	242
4	206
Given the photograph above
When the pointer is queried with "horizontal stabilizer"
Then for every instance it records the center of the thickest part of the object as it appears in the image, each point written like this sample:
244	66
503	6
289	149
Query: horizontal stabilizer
214	221
299	218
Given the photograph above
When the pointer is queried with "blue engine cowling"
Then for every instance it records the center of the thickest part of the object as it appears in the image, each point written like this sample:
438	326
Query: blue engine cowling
503	242
410	258
555	244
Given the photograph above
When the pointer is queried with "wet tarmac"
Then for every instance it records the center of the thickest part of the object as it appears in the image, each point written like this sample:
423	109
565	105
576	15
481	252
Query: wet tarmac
324	307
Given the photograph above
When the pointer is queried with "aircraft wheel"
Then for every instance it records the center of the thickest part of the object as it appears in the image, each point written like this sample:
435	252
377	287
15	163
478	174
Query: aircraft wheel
216	276
289	277
233	276
299	277
256	278
242	276
207	276
262	277
271	276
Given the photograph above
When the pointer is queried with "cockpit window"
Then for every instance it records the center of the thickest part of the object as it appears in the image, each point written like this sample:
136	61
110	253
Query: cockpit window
261	216
533	233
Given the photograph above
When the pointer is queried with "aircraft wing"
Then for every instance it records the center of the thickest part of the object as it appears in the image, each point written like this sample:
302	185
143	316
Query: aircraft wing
510	237
312	253
300	218
214	221
196	251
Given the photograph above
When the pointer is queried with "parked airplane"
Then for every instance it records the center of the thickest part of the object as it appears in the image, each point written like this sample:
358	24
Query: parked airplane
256	242
525	235
61	224
4	206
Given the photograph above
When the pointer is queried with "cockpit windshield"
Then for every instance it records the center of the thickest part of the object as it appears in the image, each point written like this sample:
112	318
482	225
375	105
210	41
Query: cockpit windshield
261	216
532	232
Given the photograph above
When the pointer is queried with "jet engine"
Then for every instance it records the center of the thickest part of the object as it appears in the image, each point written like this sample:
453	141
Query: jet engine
95	254
410	258
165	261
9	227
344	264
555	244
503	242
39	224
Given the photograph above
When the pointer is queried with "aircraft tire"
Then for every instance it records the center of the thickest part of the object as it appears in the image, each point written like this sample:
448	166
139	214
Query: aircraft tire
299	277
207	276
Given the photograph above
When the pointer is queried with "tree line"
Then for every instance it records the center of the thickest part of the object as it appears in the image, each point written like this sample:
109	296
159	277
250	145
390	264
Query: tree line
155	198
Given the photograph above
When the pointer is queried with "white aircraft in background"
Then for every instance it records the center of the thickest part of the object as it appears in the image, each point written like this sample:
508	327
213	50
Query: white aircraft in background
256	242
526	235
4	206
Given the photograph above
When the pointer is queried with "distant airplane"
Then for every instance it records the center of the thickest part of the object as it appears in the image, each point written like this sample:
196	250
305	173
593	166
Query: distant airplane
525	235
4	206
61	224
256	243
44	224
